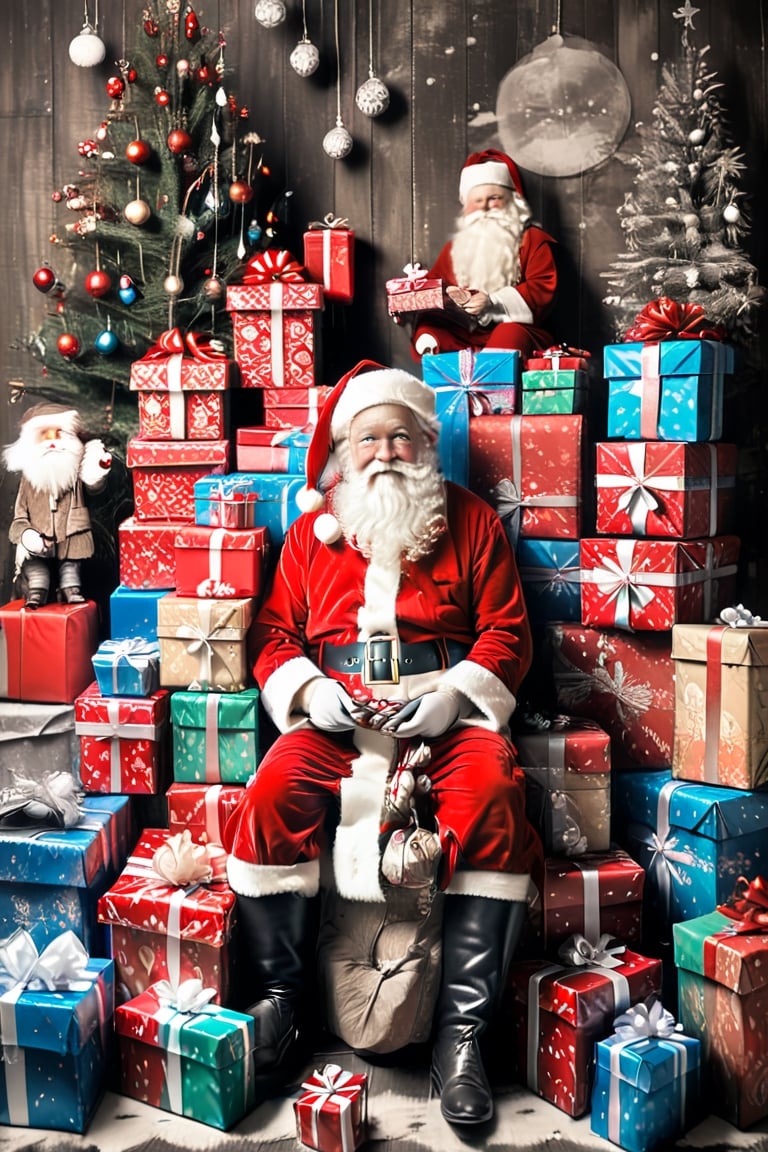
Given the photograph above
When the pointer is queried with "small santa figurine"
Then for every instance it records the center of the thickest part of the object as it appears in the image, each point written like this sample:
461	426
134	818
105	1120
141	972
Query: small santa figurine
51	525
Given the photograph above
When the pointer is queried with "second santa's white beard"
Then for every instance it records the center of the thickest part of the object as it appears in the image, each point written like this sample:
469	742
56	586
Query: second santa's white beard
54	470
486	249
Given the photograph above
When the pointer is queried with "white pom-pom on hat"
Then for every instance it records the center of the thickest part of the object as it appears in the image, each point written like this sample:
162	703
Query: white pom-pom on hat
309	499
327	528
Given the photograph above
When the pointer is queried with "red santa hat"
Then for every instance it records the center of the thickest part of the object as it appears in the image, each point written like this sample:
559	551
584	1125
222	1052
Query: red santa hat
492	167
364	386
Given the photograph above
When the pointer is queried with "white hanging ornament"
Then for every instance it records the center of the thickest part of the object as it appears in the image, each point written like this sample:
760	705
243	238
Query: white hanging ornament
305	58
270	13
337	143
696	136
731	213
372	97
87	49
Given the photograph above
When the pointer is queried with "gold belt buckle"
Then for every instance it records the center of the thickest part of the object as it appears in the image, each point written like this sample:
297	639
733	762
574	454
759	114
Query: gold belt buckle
369	660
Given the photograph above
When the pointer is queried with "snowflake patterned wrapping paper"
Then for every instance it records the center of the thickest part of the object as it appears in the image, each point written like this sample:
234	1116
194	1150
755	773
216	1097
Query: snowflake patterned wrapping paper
551	576
133	613
262	449
721	705
164	474
723	992
693	840
203	643
672	390
123	742
45	657
161	931
146	556
653	584
647	488
36	739
597	894
195	1063
221	562
215	736
329	258
530	468
625	682
558	1011
203	809
127	667
567	774
286	408
53	1070
277	333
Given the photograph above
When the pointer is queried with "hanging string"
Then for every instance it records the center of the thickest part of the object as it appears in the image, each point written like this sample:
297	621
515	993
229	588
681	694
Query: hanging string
558	18
304	18
338	59
370	38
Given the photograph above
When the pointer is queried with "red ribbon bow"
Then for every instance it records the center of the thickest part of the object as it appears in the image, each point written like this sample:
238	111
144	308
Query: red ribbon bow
274	264
666	319
748	905
173	343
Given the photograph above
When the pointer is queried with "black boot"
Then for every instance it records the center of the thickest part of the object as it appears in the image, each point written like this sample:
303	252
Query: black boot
272	931
479	937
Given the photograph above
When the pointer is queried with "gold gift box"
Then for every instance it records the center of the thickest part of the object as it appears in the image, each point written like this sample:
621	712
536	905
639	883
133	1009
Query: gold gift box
203	642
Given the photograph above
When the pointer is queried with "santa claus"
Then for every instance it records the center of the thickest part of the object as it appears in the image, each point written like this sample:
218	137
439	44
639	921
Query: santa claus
395	617
498	269
51	525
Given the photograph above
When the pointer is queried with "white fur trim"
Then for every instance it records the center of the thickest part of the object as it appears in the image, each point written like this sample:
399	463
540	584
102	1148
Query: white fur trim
309	499
384	386
511	886
327	528
377	614
490	172
356	846
510	301
280	693
271	879
485	690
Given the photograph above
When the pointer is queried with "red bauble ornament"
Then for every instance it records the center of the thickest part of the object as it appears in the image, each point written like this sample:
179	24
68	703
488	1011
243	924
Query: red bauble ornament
203	74
240	192
68	345
138	151
162	97
98	283
179	141
161	60
131	75
44	279
191	25
151	26
115	87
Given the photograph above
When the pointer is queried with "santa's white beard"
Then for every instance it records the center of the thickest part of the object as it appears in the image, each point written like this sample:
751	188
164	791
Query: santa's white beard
392	510
486	249
54	470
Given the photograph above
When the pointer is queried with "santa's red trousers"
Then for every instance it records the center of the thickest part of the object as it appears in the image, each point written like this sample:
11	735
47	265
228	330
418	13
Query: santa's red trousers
478	795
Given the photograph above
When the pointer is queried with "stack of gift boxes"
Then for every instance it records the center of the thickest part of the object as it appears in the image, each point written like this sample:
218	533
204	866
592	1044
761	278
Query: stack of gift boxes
643	738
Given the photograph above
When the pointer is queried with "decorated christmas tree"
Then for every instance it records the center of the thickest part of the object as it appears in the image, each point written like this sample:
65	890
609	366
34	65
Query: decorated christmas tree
170	197
685	219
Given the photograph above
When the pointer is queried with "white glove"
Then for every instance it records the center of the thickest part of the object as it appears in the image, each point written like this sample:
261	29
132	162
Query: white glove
33	542
95	465
330	707
430	715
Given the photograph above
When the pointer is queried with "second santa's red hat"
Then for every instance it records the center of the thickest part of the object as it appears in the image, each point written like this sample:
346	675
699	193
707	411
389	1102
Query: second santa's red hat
489	167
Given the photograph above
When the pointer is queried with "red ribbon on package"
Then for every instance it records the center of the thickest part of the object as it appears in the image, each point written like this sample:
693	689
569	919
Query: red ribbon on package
173	342
274	264
748	907
667	319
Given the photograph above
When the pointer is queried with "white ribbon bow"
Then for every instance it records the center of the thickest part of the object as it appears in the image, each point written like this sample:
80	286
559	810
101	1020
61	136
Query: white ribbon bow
60	967
642	1021
189	996
581	953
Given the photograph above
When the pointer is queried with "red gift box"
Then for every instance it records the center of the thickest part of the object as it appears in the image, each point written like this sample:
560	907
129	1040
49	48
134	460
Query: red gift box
179	373
414	292
183	415
262	449
160	930
45	655
658	488
329	257
202	808
556	357
558	1012
123	746
598	893
531	469
654	584
331	1113
220	562
147	558
164	474
276	332
293	407
625	682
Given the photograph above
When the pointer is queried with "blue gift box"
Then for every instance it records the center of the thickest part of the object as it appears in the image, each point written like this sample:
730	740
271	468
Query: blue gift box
646	1091
472	369
693	840
127	667
551	577
133	612
275	506
672	390
55	1044
47	910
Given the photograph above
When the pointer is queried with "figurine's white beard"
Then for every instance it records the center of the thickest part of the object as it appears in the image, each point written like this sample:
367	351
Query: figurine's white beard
392	510
54	470
486	249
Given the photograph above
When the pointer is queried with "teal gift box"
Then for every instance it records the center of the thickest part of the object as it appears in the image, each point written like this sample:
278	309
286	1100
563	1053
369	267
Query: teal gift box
647	1089
215	736
469	368
559	391
550	571
54	1042
127	667
273	498
670	390
133	613
194	1060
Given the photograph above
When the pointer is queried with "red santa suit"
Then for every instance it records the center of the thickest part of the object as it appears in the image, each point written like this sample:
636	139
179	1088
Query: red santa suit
465	596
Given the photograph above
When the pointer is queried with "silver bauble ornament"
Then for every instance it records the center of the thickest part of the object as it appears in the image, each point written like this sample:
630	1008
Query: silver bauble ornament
173	285
731	213
696	136
372	97
270	13
87	49
214	288
337	143
137	212
305	58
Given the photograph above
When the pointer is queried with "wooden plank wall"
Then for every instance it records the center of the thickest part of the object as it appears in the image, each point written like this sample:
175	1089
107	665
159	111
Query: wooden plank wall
443	63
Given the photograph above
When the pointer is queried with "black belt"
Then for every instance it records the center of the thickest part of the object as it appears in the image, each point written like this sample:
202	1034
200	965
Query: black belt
384	660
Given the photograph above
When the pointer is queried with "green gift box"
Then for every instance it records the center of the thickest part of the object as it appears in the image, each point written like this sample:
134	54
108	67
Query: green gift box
558	391
215	736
